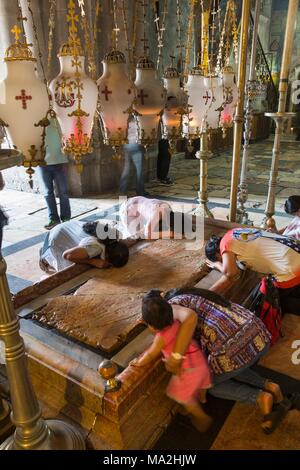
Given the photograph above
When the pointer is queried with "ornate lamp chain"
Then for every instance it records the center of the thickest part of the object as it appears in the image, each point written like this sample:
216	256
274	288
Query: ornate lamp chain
213	37
89	46
96	29
116	29
129	48
134	32
189	39
51	26
160	30
144	39
39	50
179	45
220	60
21	20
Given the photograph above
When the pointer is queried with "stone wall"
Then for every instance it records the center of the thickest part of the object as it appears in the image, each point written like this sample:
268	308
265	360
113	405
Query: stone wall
101	174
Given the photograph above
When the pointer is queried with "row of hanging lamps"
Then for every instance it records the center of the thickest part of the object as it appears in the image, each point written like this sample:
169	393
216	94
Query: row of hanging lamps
24	102
74	95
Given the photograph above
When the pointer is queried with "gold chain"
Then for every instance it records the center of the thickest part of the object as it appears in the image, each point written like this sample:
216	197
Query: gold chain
189	39
39	51
116	29
180	44
129	46
51	26
160	30
96	28
134	31
229	31
89	48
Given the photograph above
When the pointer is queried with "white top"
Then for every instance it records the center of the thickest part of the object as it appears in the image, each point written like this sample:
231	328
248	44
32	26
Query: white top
293	229
65	237
140	215
132	135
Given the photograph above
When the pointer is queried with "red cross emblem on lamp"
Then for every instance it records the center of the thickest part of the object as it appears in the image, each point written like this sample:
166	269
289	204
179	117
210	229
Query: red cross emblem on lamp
24	98
106	92
142	96
206	97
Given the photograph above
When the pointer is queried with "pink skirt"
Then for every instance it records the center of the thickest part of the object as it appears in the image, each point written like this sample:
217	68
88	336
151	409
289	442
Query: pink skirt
184	388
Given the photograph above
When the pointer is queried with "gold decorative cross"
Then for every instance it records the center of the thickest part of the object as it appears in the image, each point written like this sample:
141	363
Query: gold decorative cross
16	31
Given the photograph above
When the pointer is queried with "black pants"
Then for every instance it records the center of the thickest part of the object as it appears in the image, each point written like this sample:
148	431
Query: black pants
163	159
290	300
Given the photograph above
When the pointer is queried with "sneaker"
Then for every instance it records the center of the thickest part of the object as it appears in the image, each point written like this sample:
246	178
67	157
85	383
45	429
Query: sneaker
167	181
64	220
51	224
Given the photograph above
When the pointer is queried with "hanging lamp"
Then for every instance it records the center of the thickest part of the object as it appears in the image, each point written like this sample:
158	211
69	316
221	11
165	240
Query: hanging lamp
116	95
74	95
24	103
149	102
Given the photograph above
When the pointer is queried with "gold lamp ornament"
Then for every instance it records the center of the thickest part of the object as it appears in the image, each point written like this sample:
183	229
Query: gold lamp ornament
24	103
74	95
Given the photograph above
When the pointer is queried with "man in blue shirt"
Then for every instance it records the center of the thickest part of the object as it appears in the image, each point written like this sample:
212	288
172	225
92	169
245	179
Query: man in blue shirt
55	171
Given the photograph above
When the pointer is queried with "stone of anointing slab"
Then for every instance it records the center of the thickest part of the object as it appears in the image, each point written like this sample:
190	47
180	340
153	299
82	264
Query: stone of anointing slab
163	264
106	312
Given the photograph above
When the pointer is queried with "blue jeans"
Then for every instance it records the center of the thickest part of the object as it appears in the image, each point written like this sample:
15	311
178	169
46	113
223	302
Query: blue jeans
56	174
133	155
243	385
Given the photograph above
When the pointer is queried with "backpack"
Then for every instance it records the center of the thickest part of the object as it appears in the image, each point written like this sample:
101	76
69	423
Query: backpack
266	306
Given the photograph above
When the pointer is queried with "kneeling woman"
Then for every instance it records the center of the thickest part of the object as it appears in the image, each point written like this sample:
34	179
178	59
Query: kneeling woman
151	219
262	252
232	338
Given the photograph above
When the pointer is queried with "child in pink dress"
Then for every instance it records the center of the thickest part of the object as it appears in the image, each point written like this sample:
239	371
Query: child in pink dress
194	378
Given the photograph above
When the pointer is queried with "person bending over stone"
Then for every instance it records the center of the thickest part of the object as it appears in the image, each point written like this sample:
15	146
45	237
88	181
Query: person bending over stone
145	218
262	252
90	243
232	338
195	376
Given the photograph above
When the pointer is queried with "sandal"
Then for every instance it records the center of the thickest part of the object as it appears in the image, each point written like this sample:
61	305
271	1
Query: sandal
277	415
295	400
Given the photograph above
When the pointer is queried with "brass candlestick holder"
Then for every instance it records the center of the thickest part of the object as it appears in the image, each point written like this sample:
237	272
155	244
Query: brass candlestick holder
32	431
203	155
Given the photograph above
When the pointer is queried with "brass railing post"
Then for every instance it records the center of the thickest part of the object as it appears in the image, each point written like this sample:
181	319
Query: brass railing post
242	215
239	116
203	155
281	116
32	431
